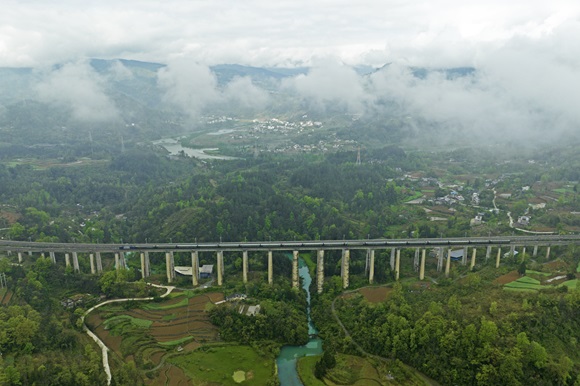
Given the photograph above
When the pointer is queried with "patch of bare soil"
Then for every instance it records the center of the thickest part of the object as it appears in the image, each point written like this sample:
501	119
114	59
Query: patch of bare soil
375	294
191	346
7	298
156	357
177	377
215	296
557	265
11	217
507	278
112	342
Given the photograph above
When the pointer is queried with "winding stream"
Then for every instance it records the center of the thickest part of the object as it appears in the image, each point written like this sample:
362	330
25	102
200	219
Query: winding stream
286	361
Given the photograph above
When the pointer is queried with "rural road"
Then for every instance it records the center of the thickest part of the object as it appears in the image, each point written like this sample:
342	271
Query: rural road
104	348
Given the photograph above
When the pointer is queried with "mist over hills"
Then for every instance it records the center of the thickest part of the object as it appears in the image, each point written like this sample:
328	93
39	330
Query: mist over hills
144	100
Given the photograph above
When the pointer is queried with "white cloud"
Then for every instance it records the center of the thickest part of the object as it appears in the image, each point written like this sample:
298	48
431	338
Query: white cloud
257	32
188	85
120	72
330	83
241	91
75	86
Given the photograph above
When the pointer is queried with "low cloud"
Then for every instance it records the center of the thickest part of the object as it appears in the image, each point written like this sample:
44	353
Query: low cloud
193	87
188	85
119	72
242	92
330	84
78	88
524	89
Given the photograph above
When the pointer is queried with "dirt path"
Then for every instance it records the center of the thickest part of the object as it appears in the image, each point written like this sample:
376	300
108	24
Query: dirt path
104	348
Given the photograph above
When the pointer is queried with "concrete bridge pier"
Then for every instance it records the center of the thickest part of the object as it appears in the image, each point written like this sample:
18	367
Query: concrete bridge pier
440	258
295	278
143	273
195	268
320	269
448	262
52	257
488	253
76	262
473	254
548	253
535	253
147	264
416	260
92	261
220	267
245	266
117	262
397	264
170	266
20	257
464	258
345	267
371	266
367	261
512	251
392	259
67	260
29	253
42	255
99	263
422	266
497	259
270	269
523	253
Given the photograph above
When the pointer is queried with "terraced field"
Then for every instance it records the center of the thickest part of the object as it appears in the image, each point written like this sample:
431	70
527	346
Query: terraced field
151	332
525	283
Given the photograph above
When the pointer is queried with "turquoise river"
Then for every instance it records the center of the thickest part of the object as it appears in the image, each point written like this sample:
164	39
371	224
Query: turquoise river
286	361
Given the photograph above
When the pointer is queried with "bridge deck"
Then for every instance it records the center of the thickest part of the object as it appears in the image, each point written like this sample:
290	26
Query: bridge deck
516	241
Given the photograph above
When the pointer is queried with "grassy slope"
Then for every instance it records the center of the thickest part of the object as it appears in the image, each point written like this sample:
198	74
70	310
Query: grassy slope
218	364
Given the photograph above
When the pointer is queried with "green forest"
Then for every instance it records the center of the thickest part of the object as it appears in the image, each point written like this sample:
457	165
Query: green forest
462	330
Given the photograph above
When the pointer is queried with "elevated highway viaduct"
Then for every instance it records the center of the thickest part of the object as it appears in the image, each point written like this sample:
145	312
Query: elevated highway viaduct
446	249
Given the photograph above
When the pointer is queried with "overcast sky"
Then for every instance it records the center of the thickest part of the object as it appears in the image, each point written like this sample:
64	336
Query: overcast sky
284	33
